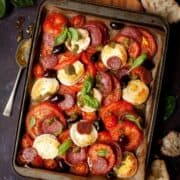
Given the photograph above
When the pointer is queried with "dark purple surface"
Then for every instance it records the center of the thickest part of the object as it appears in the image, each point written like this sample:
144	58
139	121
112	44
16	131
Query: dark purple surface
8	72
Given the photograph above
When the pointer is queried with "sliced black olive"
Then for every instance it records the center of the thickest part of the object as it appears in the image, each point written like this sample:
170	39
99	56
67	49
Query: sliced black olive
123	141
57	98
50	73
148	64
95	56
99	125
63	167
116	25
111	175
74	118
124	80
59	49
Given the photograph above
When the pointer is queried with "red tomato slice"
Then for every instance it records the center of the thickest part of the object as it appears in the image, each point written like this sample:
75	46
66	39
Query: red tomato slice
148	43
144	74
38	70
117	108
66	59
130	130
101	158
26	141
104	136
39	113
90	116
80	169
65	135
54	23
78	21
50	164
132	45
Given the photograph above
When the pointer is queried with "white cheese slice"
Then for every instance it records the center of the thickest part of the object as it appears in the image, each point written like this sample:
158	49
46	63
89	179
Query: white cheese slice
46	146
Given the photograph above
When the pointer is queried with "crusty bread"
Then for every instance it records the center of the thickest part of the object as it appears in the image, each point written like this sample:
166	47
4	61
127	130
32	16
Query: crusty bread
168	9
158	171
171	144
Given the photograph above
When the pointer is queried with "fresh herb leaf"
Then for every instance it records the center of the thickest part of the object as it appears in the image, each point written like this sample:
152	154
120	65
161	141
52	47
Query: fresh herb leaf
170	104
32	121
87	85
74	34
138	61
64	147
61	37
134	119
91	101
103	152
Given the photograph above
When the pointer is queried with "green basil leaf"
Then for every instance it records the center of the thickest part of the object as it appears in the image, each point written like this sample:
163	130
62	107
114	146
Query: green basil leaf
87	85
64	147
74	34
32	121
22	3
103	152
137	62
91	101
134	119
60	39
170	104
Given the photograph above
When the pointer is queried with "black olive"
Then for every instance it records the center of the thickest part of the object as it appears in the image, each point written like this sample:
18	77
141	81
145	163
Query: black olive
124	80
111	175
116	25
59	49
74	118
123	141
95	56
57	98
99	125
148	64
50	73
63	167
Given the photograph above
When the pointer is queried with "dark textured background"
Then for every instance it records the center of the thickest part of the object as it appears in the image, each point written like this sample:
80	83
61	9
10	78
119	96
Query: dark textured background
9	69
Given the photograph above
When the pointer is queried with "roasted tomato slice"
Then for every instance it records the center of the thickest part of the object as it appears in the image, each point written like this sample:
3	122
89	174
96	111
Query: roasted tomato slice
101	158
65	135
54	23
78	21
148	43
90	116
50	164
38	113
81	169
104	136
26	141
131	45
38	70
130	132
66	59
143	74
117	108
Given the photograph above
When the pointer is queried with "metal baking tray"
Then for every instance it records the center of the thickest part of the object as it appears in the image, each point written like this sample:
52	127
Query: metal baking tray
155	24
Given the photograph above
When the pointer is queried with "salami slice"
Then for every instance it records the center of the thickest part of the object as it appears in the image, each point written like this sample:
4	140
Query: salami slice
95	34
48	39
99	166
67	103
84	127
104	83
76	155
51	126
114	62
132	32
49	61
29	154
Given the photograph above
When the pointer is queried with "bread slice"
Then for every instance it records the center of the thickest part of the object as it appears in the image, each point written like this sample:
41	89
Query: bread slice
171	144
168	9
158	171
